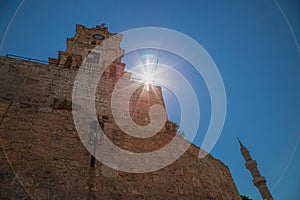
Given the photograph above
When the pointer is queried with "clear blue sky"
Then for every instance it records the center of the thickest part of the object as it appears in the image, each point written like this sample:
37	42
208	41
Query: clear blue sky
250	41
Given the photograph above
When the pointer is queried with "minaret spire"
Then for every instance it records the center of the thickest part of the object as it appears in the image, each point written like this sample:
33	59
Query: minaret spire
258	180
239	141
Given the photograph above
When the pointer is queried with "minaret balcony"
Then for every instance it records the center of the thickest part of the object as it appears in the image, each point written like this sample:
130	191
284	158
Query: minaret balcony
259	181
250	164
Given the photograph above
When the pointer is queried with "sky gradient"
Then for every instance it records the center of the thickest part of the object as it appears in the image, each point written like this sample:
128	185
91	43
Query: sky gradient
251	43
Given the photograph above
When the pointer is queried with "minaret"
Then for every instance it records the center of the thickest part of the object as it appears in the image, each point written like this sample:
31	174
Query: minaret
258	180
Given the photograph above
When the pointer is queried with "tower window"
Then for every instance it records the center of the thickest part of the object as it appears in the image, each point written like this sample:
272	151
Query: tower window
93	57
92	161
104	117
68	61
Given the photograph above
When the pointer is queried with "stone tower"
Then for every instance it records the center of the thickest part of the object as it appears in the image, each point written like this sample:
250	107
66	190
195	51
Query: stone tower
258	180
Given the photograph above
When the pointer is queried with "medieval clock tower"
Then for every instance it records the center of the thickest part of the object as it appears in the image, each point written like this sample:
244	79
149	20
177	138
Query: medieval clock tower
258	180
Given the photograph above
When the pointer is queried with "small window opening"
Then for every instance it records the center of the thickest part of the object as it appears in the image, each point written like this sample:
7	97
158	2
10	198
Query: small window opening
92	161
104	117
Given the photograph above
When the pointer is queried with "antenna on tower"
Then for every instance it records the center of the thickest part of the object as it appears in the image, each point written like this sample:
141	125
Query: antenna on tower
155	69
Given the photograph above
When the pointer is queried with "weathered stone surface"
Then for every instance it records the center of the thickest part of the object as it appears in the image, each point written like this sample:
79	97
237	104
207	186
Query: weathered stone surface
48	157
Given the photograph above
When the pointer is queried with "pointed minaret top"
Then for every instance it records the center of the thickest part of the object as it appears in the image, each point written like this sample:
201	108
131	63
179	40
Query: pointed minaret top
239	141
241	144
244	150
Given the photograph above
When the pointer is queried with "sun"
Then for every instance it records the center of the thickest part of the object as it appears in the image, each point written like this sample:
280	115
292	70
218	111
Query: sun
147	70
148	78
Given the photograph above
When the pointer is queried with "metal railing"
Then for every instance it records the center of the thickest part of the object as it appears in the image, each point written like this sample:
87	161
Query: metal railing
26	58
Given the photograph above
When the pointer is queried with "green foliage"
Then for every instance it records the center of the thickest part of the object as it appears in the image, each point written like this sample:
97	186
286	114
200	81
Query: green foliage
244	197
65	104
1	176
172	126
55	100
61	105
180	133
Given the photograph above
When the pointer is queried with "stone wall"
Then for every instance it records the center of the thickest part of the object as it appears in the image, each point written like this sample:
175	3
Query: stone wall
42	156
46	159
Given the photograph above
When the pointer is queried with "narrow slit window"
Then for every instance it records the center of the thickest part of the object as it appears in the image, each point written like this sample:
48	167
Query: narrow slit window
92	161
